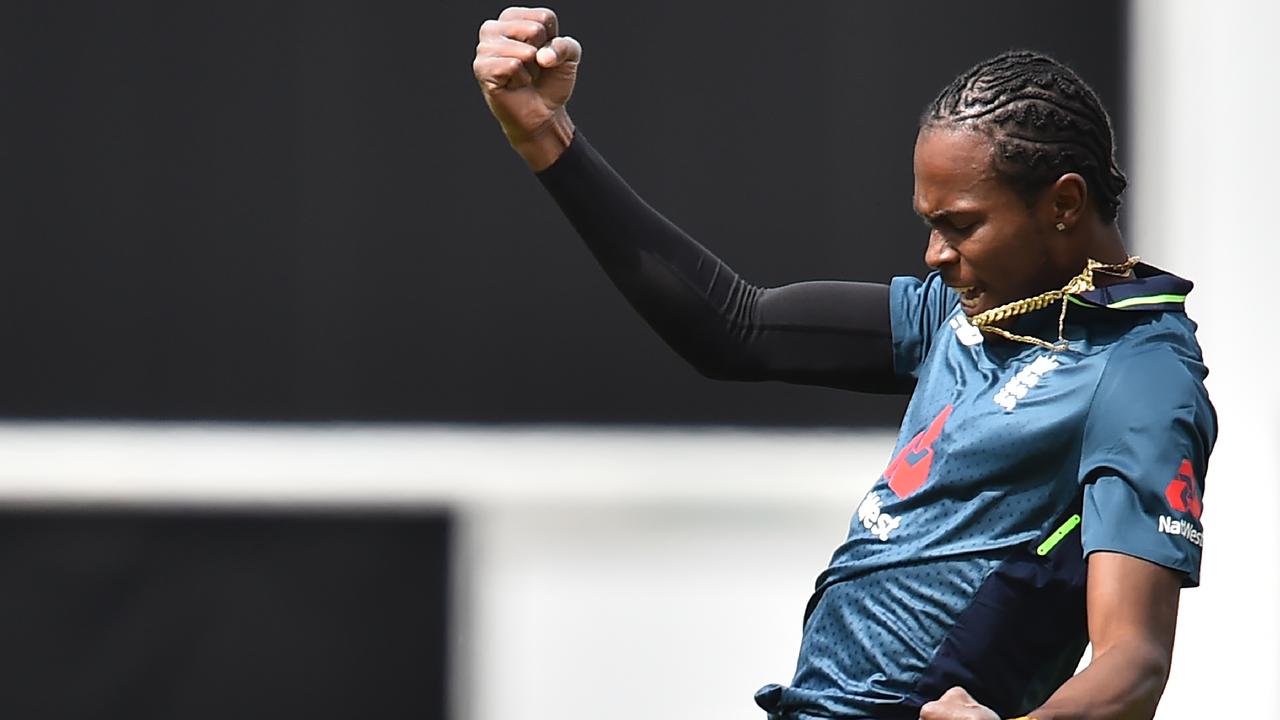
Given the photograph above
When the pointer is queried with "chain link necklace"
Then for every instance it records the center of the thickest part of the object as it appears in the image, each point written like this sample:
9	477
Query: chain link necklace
1081	283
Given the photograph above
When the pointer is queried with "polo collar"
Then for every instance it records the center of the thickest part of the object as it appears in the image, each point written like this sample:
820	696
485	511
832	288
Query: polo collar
1151	289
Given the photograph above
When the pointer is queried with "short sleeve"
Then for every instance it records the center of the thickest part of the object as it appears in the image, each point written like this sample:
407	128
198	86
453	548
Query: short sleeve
1145	451
917	309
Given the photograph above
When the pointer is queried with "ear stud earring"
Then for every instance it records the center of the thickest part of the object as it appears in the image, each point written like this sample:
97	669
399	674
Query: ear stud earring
1061	226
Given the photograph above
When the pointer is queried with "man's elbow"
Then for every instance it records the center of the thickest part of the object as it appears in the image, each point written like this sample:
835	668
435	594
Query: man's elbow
716	362
722	369
1149	664
1151	660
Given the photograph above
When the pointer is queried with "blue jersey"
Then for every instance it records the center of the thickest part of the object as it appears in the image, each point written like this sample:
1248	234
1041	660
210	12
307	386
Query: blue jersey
965	562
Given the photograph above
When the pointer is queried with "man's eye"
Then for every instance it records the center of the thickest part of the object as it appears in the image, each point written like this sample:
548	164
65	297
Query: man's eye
951	227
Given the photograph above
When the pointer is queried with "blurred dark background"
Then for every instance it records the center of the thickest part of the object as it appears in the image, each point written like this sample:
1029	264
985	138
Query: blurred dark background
303	211
196	614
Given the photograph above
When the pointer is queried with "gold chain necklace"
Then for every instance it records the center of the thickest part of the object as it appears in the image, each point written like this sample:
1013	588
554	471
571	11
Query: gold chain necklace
1081	283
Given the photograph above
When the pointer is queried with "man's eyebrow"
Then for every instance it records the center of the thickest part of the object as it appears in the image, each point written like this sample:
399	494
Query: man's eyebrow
944	214
935	215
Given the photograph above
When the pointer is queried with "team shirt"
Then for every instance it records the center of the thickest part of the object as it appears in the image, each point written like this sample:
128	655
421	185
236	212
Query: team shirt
965	562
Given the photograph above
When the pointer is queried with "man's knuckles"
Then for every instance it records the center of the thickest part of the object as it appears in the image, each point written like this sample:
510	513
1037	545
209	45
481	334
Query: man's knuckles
488	29
526	31
545	16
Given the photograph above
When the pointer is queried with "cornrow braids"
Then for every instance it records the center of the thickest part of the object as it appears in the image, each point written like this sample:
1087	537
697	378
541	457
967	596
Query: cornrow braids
1044	121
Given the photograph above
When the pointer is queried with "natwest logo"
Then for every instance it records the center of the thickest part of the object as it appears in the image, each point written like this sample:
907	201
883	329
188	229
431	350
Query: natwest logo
1183	528
1183	493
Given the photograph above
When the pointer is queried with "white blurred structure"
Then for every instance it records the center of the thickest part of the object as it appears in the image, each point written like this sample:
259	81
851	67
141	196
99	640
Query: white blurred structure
1205	193
598	573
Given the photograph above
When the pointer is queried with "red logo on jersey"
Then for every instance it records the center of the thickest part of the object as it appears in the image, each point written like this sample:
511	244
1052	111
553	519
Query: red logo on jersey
910	469
1183	494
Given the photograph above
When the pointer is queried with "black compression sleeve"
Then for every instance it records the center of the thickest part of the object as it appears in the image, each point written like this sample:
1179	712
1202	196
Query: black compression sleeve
828	333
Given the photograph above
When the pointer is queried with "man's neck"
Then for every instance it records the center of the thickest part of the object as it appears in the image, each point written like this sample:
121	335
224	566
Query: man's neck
1107	246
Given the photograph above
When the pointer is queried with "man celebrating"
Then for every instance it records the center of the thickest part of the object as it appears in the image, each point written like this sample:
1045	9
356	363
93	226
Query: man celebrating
1045	491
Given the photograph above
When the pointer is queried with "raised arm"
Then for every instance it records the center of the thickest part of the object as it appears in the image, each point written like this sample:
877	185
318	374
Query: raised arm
836	334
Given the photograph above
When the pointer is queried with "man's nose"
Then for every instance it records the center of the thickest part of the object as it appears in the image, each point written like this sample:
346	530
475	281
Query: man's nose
938	251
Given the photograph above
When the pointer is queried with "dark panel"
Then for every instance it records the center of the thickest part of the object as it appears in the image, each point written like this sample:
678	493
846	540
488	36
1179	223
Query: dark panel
303	211
149	614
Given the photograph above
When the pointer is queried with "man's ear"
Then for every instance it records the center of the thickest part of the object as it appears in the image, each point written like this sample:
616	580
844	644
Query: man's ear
1067	200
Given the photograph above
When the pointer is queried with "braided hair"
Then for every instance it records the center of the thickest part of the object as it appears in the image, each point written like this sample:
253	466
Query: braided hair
1043	120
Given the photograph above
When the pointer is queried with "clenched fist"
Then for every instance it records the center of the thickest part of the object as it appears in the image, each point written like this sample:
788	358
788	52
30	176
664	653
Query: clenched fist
526	71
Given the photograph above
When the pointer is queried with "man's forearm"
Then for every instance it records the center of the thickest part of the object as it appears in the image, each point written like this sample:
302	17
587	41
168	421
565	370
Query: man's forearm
1123	683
